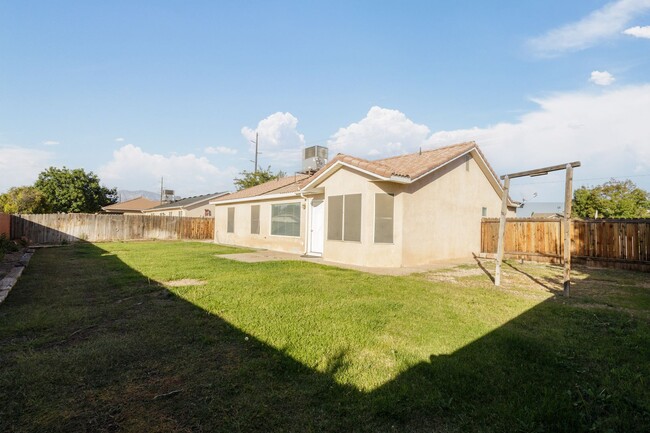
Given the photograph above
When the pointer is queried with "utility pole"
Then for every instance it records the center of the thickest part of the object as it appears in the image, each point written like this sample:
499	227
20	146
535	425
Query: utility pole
256	150
161	190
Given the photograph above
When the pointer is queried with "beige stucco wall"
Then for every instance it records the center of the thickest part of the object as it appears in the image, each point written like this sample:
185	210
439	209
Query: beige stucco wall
443	211
366	252
435	218
242	235
198	210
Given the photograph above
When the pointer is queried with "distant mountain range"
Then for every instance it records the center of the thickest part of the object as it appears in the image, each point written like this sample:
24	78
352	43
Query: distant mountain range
124	195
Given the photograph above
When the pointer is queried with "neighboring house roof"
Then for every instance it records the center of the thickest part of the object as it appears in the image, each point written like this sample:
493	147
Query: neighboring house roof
283	185
546	215
530	208
402	169
133	205
187	202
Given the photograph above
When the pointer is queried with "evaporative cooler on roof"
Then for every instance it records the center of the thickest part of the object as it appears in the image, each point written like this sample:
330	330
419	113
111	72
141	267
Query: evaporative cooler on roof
314	158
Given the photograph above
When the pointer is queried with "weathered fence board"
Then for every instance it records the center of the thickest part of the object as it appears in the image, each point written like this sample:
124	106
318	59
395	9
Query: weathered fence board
61	228
5	224
613	242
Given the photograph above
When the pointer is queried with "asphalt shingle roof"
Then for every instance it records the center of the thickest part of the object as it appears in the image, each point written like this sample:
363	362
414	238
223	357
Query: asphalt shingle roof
189	201
410	166
135	204
277	186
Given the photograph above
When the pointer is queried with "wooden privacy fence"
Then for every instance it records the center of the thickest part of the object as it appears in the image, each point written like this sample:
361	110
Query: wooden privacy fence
602	242
5	224
61	228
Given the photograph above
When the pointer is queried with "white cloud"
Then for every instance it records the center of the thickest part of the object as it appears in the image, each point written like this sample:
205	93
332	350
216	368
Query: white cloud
279	141
599	25
638	32
602	78
50	143
382	132
21	166
119	139
220	150
607	131
132	168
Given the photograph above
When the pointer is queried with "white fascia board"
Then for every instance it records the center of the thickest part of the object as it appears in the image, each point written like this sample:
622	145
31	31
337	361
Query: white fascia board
256	198
400	179
496	180
325	173
312	191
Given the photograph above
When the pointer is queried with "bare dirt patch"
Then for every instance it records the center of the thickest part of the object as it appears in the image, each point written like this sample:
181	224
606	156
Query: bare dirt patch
9	261
453	275
185	282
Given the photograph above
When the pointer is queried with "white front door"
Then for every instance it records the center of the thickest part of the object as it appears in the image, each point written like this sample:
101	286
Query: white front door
317	227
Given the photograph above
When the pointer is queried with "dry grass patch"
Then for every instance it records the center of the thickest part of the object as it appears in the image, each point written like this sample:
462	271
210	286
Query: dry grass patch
185	282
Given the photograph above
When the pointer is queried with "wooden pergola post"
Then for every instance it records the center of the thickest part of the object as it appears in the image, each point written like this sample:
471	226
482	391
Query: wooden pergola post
568	196
502	229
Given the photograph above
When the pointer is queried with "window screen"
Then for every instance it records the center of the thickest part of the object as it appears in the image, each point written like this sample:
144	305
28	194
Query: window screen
255	219
231	220
352	218
384	207
285	219
335	218
484	211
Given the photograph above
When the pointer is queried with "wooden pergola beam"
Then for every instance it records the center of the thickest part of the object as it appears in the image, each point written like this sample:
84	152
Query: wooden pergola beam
568	193
541	171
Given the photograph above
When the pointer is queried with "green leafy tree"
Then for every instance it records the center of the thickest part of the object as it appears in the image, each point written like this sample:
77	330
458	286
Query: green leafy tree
67	190
613	199
22	199
252	178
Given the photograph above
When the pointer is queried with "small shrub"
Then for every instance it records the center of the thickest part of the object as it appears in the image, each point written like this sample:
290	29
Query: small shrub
6	245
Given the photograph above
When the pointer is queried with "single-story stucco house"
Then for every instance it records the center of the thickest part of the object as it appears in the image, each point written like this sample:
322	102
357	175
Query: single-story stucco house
407	210
198	206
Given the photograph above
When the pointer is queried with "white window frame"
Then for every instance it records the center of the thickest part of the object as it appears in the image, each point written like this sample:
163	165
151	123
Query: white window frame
299	235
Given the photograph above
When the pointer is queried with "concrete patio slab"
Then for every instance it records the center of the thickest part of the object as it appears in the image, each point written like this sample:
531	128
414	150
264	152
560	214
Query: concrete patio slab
271	256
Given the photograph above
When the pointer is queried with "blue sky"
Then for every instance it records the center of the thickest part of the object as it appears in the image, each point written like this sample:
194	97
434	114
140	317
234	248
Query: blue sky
138	90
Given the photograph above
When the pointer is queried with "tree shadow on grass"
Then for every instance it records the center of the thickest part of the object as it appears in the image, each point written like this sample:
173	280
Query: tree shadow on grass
101	347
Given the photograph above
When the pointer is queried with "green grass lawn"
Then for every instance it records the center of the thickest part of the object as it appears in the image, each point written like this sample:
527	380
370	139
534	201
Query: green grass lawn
98	338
